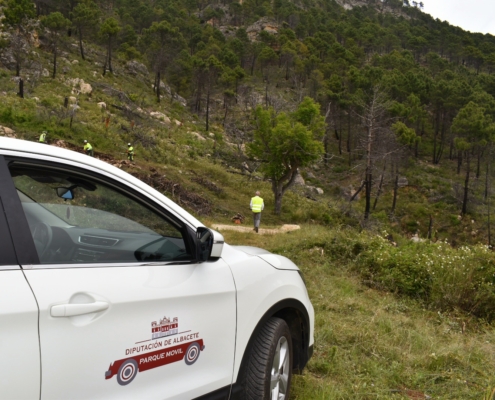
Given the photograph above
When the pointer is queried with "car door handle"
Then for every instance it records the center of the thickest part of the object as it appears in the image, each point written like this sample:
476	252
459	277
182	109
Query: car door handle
70	310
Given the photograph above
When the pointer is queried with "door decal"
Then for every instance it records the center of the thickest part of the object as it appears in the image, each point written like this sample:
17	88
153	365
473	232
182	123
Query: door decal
172	346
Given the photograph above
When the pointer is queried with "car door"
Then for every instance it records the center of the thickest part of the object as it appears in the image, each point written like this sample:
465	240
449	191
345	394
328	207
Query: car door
19	344
126	311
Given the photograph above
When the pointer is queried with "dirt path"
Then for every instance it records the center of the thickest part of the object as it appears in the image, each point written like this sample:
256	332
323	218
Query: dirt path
262	231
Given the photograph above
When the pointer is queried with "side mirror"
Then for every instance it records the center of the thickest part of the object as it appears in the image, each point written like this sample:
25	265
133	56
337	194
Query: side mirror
204	244
65	193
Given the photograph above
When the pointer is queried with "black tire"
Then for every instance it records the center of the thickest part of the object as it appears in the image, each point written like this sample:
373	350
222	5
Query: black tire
269	378
192	353
127	372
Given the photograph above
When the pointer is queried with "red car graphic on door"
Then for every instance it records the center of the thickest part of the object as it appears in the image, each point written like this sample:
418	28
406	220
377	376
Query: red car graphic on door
127	368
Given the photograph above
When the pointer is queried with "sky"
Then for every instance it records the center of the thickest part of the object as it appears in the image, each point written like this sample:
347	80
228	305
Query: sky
471	15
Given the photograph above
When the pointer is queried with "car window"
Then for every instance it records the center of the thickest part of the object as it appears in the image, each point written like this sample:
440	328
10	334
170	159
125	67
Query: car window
75	218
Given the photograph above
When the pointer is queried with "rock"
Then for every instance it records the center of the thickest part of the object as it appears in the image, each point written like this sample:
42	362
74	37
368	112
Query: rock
79	86
86	88
310	175
178	123
7	131
72	100
45	73
211	134
94	74
402	182
416	239
36	99
264	24
135	68
75	62
319	190
160	116
299	179
198	135
102	105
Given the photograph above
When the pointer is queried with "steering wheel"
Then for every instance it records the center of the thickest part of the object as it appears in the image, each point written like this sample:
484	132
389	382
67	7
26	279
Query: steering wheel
42	236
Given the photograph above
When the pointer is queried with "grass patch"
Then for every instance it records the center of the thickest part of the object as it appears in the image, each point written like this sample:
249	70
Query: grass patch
372	344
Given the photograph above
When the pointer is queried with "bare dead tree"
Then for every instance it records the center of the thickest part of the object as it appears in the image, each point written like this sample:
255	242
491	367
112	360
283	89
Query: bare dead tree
374	119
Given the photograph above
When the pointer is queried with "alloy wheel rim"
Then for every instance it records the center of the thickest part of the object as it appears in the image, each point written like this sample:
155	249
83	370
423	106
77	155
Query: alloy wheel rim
280	370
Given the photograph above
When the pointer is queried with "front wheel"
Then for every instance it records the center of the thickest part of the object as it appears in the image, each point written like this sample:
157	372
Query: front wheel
269	370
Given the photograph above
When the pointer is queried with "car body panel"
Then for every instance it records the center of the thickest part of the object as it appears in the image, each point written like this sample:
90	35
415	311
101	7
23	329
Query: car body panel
201	296
259	287
19	343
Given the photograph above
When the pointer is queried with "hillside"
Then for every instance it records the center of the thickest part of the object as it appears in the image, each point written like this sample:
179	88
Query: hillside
216	62
394	208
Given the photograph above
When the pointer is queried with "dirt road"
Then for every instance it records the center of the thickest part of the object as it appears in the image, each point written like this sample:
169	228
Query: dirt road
262	231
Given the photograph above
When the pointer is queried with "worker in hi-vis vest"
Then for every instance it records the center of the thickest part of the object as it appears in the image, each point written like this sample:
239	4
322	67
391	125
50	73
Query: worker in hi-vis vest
88	149
130	152
43	137
257	206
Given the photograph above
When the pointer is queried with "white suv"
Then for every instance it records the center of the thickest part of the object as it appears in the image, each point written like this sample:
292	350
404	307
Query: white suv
109	290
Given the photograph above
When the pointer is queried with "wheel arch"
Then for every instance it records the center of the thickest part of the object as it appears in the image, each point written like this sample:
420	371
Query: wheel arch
294	313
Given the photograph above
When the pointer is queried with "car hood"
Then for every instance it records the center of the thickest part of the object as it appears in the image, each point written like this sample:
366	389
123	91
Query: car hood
275	260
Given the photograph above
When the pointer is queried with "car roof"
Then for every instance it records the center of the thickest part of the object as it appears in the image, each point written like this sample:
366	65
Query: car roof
18	146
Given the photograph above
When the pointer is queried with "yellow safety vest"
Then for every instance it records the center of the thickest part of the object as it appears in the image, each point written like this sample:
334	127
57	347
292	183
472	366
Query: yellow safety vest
130	150
87	146
42	137
257	203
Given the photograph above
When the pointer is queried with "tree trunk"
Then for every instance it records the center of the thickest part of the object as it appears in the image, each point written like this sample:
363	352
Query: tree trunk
357	191
368	169
325	144
466	184
81	48
430	227
158	80
278	194
208	108
367	193
21	88
487	180
459	161
110	55
379	191
54	62
487	199
396	189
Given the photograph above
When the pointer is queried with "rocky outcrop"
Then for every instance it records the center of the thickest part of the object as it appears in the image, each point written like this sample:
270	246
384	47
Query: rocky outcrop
264	24
79	86
136	68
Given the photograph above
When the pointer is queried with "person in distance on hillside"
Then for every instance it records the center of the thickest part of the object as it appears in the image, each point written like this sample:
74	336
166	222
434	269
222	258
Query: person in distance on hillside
257	206
43	137
130	152
88	149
